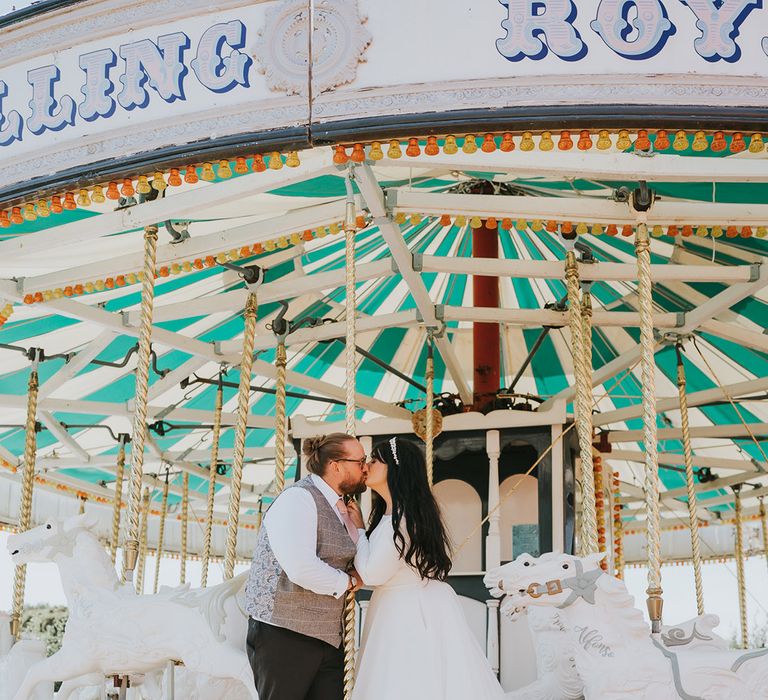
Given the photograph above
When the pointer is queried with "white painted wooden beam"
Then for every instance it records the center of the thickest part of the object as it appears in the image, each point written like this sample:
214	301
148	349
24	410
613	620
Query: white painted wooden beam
736	334
285	288
200	246
76	364
590	165
189	204
61	434
732	430
374	198
672	403
600	271
677	460
576	209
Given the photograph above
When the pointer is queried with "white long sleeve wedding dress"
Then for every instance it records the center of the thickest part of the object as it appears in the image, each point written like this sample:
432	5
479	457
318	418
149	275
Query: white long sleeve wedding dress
416	644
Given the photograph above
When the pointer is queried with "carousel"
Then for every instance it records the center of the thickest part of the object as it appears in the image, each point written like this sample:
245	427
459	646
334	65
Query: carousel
527	236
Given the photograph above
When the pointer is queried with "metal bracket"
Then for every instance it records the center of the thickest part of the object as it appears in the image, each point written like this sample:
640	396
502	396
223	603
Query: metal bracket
395	268
417	262
754	272
252	275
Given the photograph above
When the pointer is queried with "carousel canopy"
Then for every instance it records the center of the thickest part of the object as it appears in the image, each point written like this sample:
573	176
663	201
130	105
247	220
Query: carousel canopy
72	288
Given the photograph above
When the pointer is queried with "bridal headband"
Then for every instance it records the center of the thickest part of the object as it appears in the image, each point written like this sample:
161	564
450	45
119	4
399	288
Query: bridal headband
393	447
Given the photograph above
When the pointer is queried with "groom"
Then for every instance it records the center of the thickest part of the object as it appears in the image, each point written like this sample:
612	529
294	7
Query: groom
301	571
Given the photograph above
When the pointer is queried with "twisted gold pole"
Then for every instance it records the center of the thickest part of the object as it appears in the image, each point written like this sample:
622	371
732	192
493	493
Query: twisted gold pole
693	517
618	528
582	407
740	576
429	436
350	604
27	487
280	417
241	423
142	550
139	436
212	473
655	601
118	502
764	523
161	533
184	524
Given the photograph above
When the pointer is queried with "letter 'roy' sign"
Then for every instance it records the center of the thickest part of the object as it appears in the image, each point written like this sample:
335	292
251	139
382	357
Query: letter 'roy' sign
101	80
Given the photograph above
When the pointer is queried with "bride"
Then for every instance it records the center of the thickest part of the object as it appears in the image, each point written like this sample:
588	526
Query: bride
416	644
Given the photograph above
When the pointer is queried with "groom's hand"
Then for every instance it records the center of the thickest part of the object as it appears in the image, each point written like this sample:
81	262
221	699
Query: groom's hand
355	582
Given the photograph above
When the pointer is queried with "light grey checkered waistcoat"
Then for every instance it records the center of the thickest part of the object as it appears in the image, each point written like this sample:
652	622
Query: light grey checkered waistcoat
272	597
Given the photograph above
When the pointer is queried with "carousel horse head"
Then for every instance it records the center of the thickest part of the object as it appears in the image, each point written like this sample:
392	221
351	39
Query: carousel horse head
551	580
44	542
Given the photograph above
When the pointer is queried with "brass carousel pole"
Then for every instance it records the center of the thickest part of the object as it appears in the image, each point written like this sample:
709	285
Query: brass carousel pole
350	367
118	500
582	404
131	546
764	523
281	421
241	424
643	199
693	517
142	550
161	532
429	432
184	526
27	487
212	474
740	574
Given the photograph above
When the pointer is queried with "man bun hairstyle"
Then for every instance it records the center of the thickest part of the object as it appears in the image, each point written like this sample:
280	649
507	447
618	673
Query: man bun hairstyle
322	449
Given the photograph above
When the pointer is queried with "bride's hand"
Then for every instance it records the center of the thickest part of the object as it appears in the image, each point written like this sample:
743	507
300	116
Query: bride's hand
355	514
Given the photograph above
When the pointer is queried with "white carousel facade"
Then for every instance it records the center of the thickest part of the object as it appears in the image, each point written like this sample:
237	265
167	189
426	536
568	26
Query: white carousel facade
224	231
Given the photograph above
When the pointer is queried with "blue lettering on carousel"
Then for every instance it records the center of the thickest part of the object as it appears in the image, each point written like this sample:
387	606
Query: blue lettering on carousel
217	72
161	65
535	27
11	124
219	66
43	102
719	24
97	87
632	29
642	37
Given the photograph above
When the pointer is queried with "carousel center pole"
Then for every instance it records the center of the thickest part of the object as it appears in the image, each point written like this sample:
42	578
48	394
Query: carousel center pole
350	410
241	421
642	201
139	436
27	487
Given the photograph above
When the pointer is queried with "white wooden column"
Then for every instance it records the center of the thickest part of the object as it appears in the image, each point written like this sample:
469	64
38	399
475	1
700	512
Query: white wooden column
493	540
558	487
365	500
363	612
492	639
493	544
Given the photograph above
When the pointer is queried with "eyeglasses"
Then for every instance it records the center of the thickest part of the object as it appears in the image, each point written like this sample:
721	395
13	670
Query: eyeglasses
360	462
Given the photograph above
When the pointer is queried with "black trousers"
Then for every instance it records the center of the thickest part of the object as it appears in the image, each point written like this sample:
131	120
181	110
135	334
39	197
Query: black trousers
291	666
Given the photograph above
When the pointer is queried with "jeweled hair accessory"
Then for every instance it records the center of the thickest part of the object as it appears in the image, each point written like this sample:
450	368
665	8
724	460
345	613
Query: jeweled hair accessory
393	447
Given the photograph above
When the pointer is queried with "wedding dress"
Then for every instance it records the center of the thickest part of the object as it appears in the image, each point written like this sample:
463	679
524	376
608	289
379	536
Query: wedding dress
416	644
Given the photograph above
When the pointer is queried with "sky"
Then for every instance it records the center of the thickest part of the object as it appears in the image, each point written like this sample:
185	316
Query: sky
720	591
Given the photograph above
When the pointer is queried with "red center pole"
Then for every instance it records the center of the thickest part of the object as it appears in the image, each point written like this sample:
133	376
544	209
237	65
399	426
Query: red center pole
485	336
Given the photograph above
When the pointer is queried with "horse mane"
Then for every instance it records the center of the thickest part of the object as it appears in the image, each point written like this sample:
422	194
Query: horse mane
615	595
88	541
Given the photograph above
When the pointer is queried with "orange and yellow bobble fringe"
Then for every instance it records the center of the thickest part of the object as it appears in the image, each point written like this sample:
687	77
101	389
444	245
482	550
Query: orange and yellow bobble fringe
570	228
597	469
128	187
177	268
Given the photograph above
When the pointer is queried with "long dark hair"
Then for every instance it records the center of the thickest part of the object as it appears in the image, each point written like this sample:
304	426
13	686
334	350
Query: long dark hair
428	547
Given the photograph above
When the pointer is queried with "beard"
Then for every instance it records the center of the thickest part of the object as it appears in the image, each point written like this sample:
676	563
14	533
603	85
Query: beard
353	488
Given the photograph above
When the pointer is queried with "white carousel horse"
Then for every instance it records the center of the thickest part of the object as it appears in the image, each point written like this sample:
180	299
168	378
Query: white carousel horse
558	678
613	651
111	630
16	659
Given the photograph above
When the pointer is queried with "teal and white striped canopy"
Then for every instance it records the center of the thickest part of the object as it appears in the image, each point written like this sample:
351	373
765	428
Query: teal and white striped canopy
712	288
